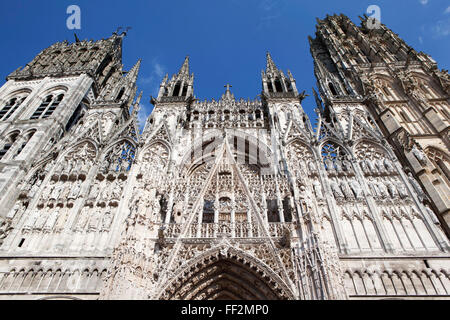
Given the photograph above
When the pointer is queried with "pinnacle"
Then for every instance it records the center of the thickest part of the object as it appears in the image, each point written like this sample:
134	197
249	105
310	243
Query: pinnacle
185	67
270	66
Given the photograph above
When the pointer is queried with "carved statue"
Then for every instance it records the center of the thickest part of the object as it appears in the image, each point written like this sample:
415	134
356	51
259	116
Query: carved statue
83	218
432	215
56	191
402	191
106	221
364	167
374	187
392	190
29	223
419	155
47	191
41	219
318	189
383	190
116	191
336	190
416	186
356	188
61	221
95	219
346	165
5	229
50	223
75	190
370	166
94	191
15	210
329	164
346	189
388	165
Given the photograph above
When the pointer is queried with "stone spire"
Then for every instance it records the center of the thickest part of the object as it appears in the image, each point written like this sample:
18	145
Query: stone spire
133	73
271	68
184	71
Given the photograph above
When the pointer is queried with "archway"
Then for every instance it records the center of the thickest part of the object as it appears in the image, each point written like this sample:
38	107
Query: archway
226	275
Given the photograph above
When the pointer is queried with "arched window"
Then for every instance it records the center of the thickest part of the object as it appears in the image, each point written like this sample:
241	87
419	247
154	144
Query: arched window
47	107
332	89
176	90
120	95
278	86
7	111
25	142
332	155
387	92
8	144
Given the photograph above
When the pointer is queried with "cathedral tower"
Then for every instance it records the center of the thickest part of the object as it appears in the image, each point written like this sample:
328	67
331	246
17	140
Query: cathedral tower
402	89
68	141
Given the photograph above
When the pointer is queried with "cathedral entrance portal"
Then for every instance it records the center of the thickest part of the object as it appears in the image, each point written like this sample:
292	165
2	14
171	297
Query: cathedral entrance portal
225	276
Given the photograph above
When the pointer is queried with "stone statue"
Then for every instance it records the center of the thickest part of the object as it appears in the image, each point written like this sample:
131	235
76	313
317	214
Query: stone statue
62	218
338	165
364	167
75	190
392	190
416	186
388	165
47	191
41	219
95	220
356	188
336	190
402	191
83	218
56	191
106	221
419	155
50	223
346	165
380	166
346	189
12	213
329	164
5	229
93	193
116	191
370	166
374	187
432	215
383	190
318	189
29	223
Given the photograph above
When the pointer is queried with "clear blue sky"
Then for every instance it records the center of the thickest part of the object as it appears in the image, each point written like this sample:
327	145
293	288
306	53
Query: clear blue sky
226	40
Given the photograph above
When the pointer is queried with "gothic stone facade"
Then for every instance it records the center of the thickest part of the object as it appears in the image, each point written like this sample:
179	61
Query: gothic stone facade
218	199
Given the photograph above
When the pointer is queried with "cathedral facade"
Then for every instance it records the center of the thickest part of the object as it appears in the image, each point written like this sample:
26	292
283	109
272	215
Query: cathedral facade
216	199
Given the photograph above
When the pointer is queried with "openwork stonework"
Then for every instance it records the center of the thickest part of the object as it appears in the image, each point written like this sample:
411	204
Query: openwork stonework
226	199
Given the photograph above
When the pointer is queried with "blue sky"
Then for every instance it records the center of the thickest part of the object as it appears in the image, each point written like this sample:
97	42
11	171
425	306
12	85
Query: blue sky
226	40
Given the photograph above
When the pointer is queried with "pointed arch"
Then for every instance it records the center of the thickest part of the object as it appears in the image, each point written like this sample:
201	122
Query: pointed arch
226	272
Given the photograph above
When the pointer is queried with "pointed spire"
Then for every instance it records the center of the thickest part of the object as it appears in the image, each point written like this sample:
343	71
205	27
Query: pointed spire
185	67
137	105
133	73
228	95
270	65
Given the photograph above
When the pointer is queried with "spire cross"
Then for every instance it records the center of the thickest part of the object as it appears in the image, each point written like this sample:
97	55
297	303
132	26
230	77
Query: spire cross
228	86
